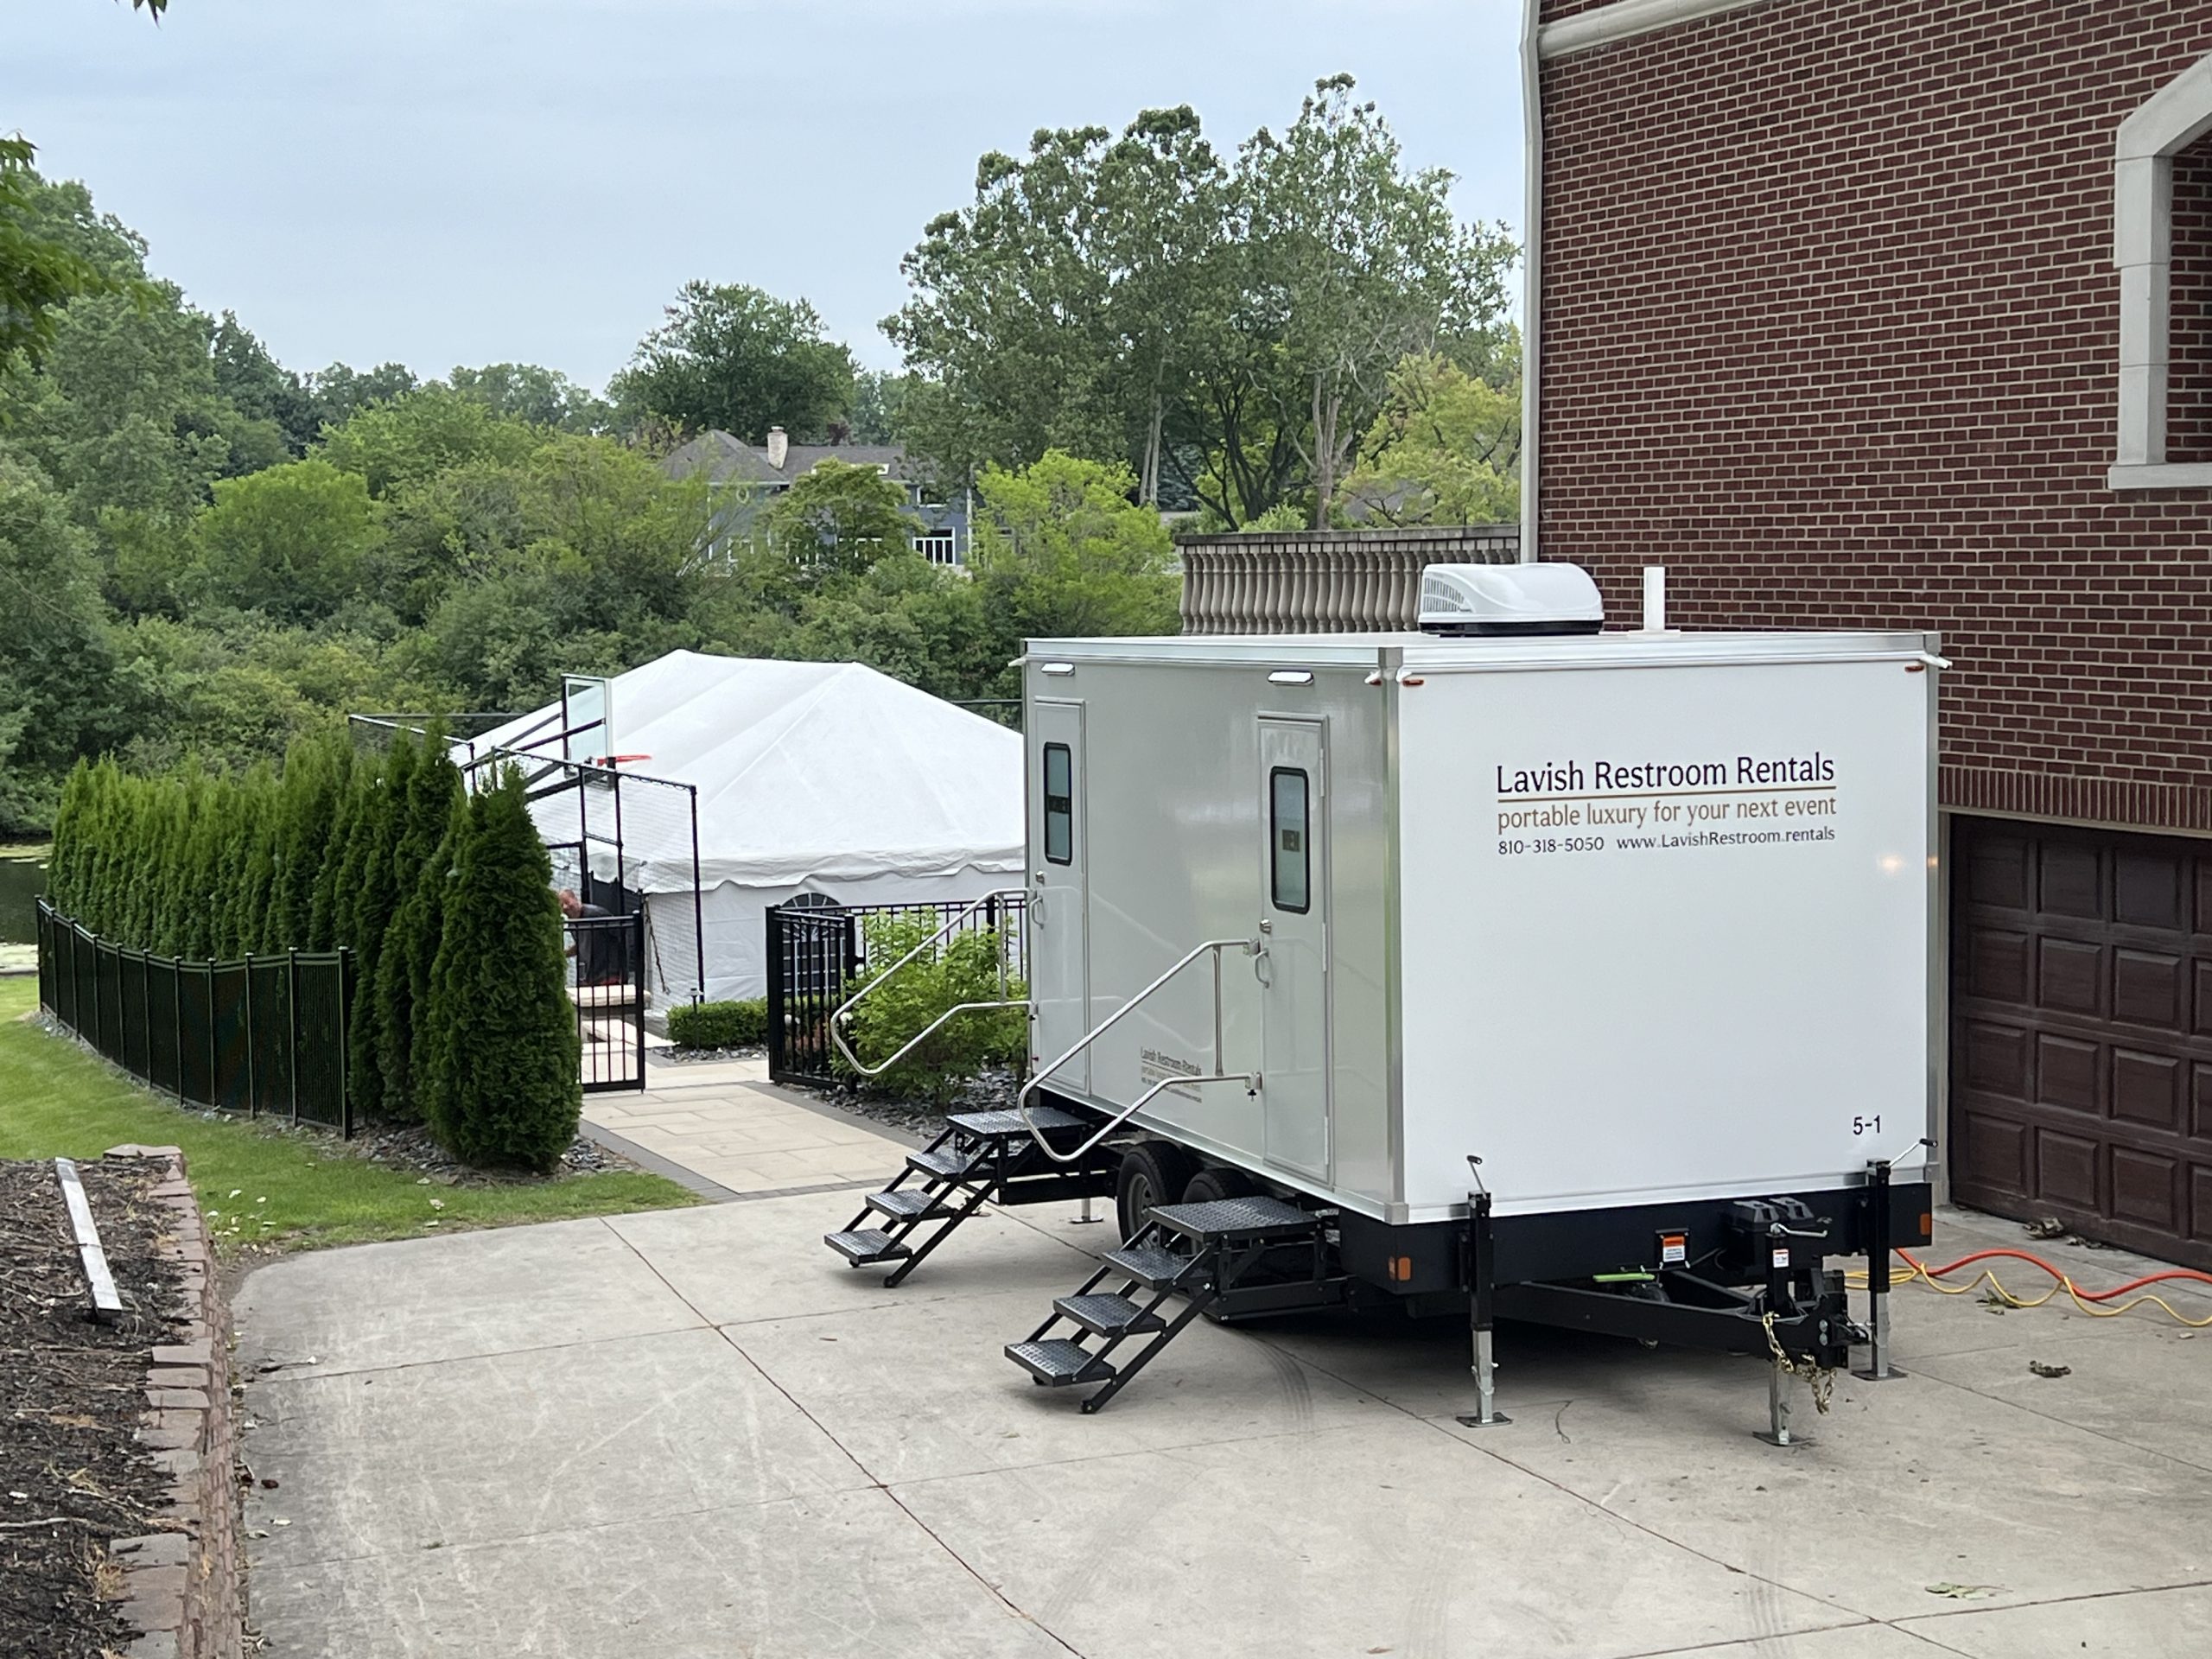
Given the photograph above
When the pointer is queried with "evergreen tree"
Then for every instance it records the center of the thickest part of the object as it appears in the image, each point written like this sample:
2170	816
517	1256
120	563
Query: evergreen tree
508	1091
310	788
327	910
258	871
69	826
375	897
428	1063
195	857
411	946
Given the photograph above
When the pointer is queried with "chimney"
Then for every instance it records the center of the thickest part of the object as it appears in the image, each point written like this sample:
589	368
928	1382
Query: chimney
779	446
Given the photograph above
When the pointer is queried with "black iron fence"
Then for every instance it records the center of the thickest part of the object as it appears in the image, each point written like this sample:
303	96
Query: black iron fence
818	954
264	1035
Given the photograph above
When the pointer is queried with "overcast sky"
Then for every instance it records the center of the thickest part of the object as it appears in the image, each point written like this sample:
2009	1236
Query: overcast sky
444	181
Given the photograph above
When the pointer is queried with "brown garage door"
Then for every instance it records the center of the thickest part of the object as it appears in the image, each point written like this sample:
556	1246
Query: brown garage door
2082	1032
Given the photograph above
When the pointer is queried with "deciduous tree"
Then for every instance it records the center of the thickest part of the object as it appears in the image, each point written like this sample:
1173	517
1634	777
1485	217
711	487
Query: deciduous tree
735	358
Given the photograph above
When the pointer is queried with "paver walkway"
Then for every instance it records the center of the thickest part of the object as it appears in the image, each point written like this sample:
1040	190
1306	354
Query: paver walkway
727	1124
695	1433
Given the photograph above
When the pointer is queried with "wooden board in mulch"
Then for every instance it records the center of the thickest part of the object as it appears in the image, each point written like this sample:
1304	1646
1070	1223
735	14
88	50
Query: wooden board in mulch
71	1477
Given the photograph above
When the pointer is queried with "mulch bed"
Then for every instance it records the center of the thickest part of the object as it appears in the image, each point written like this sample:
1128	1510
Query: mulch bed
991	1090
708	1056
410	1145
72	1476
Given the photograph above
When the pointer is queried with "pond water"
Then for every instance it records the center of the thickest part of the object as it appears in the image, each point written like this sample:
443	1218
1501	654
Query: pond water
22	878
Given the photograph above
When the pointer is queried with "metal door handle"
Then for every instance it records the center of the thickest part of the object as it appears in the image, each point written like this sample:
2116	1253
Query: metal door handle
1262	969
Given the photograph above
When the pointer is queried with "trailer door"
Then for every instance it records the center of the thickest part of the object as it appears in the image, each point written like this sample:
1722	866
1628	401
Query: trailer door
1059	944
1294	922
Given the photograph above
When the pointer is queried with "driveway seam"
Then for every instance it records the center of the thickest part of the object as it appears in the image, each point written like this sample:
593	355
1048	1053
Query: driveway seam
262	1564
867	1473
2042	1416
301	1374
2050	1601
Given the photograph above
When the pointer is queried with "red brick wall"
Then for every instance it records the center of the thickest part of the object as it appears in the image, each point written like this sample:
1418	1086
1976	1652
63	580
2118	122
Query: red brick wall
1829	327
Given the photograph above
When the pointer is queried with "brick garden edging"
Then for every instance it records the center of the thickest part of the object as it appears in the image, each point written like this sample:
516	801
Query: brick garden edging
182	1586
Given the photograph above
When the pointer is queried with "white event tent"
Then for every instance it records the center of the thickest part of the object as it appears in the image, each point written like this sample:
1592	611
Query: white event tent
827	779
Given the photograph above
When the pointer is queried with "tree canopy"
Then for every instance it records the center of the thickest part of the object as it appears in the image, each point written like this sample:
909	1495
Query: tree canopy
1227	328
735	358
206	556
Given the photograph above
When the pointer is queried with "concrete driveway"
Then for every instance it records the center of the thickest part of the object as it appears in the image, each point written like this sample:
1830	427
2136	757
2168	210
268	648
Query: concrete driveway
698	1433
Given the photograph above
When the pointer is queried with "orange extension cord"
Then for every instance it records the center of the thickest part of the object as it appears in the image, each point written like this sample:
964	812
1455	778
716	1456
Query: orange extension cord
2089	1301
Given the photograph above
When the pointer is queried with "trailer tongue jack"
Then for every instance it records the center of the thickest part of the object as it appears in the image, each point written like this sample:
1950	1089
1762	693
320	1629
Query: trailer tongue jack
1798	1317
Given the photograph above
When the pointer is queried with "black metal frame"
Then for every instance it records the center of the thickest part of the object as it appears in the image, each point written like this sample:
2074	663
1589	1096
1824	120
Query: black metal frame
610	1006
817	954
263	1036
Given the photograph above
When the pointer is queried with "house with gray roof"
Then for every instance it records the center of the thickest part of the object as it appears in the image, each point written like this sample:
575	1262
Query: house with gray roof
742	478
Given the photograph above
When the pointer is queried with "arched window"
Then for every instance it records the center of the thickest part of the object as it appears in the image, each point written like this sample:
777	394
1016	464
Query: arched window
2143	248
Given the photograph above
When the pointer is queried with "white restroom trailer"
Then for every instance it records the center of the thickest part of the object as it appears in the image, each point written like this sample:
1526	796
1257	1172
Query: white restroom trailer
1508	965
1617	931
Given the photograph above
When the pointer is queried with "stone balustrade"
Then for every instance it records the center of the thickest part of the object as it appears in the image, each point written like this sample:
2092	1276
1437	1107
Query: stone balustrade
1325	582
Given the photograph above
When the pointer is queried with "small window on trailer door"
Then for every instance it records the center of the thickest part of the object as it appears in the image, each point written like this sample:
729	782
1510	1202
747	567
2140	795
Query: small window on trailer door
1059	804
1290	840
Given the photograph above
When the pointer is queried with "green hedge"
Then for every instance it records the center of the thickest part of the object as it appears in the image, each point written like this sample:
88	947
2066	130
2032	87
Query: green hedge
963	968
719	1025
461	1012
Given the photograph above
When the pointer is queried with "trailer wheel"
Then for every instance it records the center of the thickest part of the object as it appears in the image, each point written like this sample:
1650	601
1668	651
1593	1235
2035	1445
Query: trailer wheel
1153	1172
1212	1184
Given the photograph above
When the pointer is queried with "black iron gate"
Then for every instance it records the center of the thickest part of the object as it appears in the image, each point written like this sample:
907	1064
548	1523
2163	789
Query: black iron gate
817	955
606	957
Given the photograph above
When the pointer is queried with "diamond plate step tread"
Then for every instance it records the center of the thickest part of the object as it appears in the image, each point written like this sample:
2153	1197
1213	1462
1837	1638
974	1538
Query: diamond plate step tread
1161	1270
1109	1316
943	1162
865	1246
1236	1218
908	1204
1058	1362
991	1124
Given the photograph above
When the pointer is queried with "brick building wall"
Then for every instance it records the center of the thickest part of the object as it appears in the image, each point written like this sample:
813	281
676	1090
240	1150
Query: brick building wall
1829	326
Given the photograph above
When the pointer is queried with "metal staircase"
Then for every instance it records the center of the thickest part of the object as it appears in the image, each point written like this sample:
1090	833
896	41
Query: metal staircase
982	1157
1223	1256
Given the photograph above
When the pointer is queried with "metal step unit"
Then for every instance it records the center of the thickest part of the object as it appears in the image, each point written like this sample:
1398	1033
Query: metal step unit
1207	1254
981	1158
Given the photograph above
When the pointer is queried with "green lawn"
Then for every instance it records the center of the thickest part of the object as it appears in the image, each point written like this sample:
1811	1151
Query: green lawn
260	1184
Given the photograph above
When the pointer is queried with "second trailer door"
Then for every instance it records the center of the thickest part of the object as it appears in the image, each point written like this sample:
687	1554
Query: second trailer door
1294	922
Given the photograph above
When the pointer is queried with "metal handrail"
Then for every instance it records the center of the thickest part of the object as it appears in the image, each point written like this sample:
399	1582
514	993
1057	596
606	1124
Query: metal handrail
838	1017
1250	947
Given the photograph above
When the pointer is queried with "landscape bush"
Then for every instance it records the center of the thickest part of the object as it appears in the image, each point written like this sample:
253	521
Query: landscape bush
963	968
719	1024
376	854
508	1090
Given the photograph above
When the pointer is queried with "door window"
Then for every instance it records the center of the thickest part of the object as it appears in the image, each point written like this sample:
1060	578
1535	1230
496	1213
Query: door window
1059	804
1290	840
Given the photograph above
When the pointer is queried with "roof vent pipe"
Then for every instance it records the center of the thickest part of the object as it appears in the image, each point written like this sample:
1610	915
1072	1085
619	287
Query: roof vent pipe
780	445
1655	599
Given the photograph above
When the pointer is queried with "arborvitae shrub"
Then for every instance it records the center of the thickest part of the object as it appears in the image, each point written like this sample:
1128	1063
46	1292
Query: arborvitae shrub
428	1068
375	897
410	945
508	1092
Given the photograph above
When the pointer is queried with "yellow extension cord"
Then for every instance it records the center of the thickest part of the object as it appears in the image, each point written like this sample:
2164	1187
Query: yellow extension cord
1914	1270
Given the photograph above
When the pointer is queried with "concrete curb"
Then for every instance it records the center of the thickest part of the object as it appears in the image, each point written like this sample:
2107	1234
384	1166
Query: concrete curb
653	1163
181	1585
